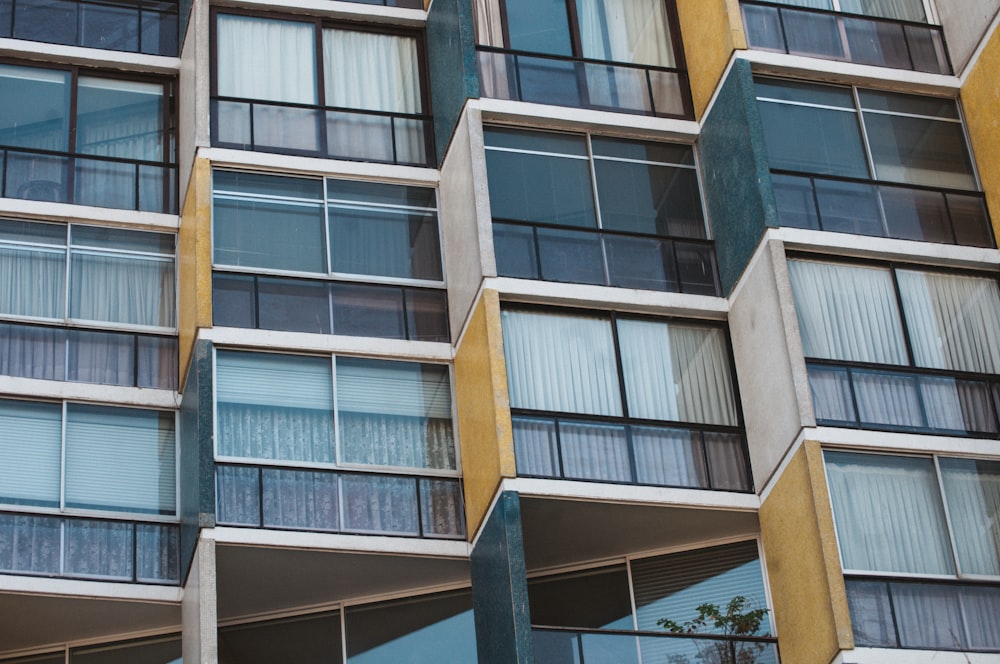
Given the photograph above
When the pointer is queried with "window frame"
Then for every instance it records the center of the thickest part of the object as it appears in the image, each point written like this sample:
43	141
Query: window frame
930	12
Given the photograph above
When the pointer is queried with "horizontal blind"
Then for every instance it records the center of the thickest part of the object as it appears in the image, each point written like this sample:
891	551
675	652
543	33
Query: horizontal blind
393	388
30	435
264	379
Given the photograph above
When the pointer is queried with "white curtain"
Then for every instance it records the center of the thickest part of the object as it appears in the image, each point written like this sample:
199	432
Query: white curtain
888	514
101	357
122	289
595	452
98	548
972	489
831	395
981	607
903	10
380	504
32	281
535	447
237	498
33	352
953	320
301	499
157	552
928	616
561	363
34	543
668	457
441	510
266	59
847	312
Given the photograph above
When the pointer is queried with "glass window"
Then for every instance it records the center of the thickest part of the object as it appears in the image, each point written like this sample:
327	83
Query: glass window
31	444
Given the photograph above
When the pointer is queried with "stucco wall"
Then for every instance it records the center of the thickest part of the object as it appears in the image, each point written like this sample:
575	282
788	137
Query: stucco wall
711	30
194	293
965	23
981	101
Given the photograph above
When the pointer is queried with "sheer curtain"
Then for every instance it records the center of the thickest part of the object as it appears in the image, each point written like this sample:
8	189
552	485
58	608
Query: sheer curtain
903	10
847	312
561	363
972	489
380	503
888	514
33	352
32	282
122	289
372	241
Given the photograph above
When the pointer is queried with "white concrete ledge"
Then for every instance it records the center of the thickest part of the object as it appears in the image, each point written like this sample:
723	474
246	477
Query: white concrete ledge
97	590
326	343
90	57
896	656
156	221
337	543
358	11
888	442
631	494
290	165
11	386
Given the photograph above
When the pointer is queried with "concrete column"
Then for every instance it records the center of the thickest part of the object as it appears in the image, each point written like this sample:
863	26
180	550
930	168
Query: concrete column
199	614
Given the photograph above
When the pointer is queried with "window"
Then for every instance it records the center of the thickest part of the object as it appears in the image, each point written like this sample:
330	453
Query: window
884	33
422	630
293	86
125	25
900	349
86	139
933	519
628	400
114	287
362	416
597	210
588	615
156	650
913	148
615	55
359	258
72	460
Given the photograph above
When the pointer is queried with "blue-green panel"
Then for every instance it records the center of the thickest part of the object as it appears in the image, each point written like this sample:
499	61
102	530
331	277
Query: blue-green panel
197	472
500	586
736	177
451	51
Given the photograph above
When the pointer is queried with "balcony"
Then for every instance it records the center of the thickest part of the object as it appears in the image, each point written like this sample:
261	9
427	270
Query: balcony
42	545
583	83
853	38
134	26
916	401
58	177
604	450
322	131
627	260
339	502
556	645
903	212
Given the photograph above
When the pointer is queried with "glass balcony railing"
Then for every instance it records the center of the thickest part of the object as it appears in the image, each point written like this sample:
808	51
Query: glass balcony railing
36	544
558	645
318	131
135	26
605	450
937	615
339	502
125	184
862	207
583	83
910	400
627	260
854	38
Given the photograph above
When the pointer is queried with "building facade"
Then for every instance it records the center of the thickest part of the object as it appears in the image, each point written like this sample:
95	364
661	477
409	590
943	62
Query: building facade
501	331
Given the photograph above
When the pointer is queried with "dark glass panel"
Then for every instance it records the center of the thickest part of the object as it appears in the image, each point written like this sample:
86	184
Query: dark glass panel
380	194
545	81
6	14
101	549
849	207
305	500
269	235
642	198
30	544
669	457
157	362
159	28
107	358
536	449
426	315
233	300
897	102
152	651
595	452
727	463
384	242
540	26
915	214
763	28
876	43
871	613
27	351
977	406
53	21
927	50
571	256
796	204
540	141
109	26
639	262
380	504
237	495
126	240
304	640
889	400
593	598
970	221
515	251
36	177
928	616
105	183
831	395
287	129
292	305
813	34
157	189
696	268
665	153
368	311
267	185
42	124
919	151
441	510
157	555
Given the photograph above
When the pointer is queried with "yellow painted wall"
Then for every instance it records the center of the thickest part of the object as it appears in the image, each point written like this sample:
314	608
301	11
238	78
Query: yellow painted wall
195	263
484	426
981	100
711	30
803	563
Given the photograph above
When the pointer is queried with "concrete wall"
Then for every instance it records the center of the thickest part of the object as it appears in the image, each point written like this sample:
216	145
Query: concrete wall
451	48
803	563
500	587
774	386
711	30
465	219
197	469
194	259
981	100
483	406
737	181
193	93
965	23
198	609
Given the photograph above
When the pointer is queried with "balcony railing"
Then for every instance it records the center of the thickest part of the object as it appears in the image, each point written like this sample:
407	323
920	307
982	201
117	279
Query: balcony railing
135	26
903	212
36	544
557	253
321	131
612	450
902	399
57	177
583	83
339	502
864	40
324	307
559	645
937	615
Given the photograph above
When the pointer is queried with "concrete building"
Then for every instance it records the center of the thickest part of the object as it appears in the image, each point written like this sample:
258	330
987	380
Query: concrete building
499	330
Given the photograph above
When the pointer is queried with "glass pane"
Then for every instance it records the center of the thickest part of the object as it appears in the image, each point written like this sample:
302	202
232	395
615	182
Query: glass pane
640	262
927	50
287	130
833	402
100	549
231	124
515	250
696	268
301	499
384	242
157	362
903	10
536	448
928	616
296	306
919	151
889	400
871	613
161	650
876	43
595	452
116	118
274	407
234	301
32	352
30	544
123	289
305	640
53	21
972	491
157	189
33	283
442	513
101	357
980	605
426	315
597	598
914	214
362	310
669	457
795	200
436	629
394	414
159	30
571	256
105	184
360	136
763	28
727	461
44	123
120	459
540	26
380	504
37	177
643	198
157	555
237	494
262	58
970	221
816	35
616	88
105	26
30	444
6	15
350	56
851	207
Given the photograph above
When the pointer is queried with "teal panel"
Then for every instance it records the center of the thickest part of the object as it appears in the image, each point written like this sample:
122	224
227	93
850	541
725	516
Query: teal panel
197	471
738	192
451	50
500	586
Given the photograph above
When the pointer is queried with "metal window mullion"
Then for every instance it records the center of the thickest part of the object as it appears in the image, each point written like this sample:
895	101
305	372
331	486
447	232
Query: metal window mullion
597	210
66	278
947	515
911	358
327	235
336	419
632	605
864	133
62	459
343	628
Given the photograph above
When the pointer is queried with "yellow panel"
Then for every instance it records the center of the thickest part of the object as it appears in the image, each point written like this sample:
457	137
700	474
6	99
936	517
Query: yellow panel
195	263
981	99
803	563
484	426
710	30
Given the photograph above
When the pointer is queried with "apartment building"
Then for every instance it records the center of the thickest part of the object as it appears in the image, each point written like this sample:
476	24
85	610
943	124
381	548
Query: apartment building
501	331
